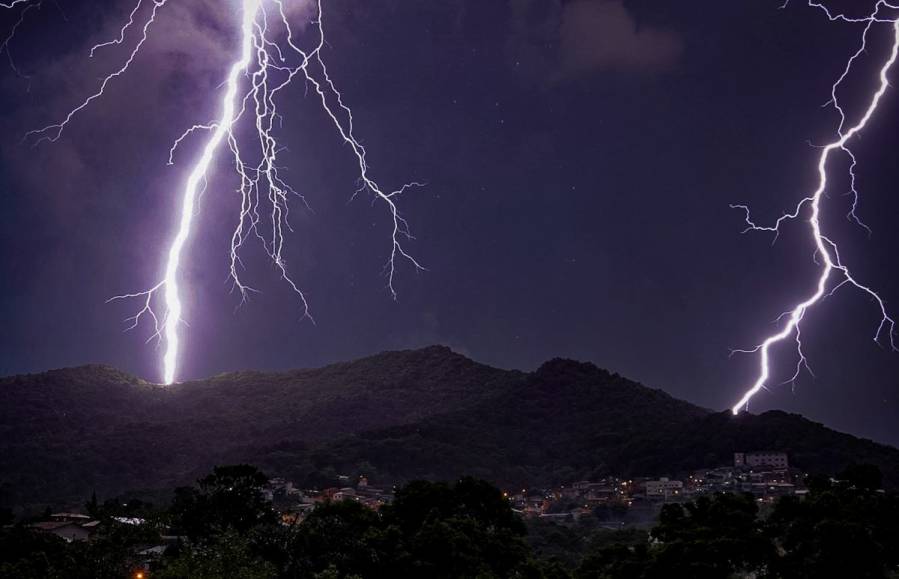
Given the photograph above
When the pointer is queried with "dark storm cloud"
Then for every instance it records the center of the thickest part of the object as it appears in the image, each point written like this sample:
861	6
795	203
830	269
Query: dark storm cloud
602	34
570	39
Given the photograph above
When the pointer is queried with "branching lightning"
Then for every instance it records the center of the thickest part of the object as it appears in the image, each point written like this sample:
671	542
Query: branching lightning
15	3
834	273
27	6
270	58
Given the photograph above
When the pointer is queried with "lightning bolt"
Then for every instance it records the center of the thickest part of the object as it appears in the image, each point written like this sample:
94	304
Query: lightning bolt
834	273
270	59
27	5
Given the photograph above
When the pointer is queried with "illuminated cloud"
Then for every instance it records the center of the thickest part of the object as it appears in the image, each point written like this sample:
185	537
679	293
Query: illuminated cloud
602	34
563	40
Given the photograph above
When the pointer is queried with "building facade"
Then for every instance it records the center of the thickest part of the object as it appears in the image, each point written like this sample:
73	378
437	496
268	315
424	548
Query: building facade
663	487
776	460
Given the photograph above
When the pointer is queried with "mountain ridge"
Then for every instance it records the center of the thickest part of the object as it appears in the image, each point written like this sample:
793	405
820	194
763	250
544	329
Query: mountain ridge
397	415
652	433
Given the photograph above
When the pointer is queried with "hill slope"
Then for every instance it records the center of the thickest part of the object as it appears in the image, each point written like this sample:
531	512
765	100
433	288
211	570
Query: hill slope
397	415
570	420
68	432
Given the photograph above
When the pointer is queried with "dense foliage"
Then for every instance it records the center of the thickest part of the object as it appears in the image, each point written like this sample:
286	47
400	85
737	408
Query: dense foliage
570	421
468	530
398	416
842	529
66	433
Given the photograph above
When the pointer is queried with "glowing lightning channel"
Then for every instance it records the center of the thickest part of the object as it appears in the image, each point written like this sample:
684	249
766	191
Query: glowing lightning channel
28	5
826	248
172	299
14	3
266	67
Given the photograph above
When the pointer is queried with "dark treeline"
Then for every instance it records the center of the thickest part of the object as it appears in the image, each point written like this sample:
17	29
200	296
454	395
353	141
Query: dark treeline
225	528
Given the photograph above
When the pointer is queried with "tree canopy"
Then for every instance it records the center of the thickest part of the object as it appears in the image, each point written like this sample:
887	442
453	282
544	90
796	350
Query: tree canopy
467	529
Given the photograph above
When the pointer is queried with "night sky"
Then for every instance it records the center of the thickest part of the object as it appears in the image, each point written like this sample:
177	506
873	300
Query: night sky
580	157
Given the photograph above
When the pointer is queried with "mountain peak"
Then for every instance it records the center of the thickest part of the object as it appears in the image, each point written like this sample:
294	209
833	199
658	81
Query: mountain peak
566	367
427	413
433	352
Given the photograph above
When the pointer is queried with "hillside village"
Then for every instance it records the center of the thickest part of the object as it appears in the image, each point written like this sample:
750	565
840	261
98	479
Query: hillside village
617	502
235	516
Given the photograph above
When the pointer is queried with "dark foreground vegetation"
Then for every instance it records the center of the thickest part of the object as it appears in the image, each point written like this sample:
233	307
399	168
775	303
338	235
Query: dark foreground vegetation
223	527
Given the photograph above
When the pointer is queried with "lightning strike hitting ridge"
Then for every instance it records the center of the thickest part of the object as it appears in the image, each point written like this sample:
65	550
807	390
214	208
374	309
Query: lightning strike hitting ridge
270	58
834	273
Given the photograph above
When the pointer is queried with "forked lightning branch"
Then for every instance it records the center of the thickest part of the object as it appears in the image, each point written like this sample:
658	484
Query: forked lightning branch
834	273
270	57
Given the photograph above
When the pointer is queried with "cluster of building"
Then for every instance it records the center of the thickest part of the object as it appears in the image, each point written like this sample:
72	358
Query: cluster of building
615	501
294	504
68	526
620	501
766	475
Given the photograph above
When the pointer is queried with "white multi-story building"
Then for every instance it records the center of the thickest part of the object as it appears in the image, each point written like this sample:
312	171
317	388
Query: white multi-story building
663	487
777	460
